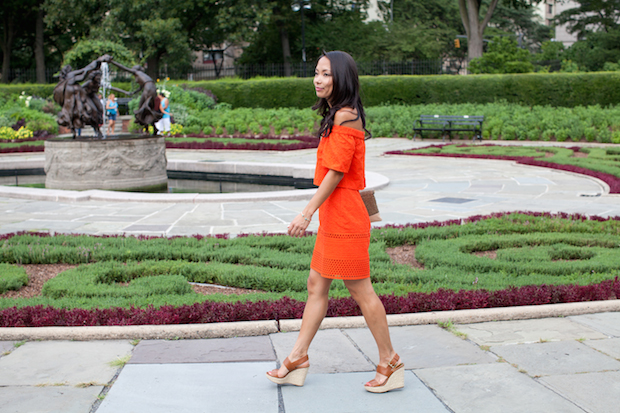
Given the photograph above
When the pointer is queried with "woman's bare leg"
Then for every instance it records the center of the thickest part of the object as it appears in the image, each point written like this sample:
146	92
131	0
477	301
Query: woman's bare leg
374	313
314	313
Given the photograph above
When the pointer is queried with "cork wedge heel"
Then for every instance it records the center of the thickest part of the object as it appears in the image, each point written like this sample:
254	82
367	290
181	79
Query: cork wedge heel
296	375
395	372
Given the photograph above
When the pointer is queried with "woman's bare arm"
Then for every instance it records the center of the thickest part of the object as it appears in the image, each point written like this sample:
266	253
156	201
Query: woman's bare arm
298	226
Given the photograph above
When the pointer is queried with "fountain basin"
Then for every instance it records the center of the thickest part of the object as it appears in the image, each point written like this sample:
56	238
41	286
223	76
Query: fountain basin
127	162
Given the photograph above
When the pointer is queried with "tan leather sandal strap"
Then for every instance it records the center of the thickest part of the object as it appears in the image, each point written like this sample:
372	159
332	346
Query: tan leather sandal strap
390	368
386	371
395	361
292	366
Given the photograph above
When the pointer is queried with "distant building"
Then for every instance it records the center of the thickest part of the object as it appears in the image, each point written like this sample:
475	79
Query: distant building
373	11
548	9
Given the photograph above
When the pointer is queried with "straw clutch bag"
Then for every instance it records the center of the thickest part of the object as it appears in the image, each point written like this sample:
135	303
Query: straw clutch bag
371	205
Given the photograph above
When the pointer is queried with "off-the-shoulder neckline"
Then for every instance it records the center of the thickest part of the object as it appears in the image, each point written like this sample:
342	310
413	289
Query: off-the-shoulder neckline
350	130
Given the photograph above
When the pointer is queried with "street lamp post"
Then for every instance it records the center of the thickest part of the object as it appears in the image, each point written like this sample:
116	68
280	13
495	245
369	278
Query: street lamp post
301	5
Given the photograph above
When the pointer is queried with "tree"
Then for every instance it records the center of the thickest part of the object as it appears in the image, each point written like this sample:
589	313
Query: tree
503	56
523	23
474	27
591	16
16	20
597	24
476	19
421	30
598	48
85	51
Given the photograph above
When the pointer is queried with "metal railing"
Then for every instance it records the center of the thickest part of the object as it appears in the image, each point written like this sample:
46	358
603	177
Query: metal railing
247	71
18	75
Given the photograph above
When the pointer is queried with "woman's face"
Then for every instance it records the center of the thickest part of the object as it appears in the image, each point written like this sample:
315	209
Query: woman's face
323	80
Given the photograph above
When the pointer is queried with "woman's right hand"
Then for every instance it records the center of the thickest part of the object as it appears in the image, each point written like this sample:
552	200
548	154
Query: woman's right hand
297	227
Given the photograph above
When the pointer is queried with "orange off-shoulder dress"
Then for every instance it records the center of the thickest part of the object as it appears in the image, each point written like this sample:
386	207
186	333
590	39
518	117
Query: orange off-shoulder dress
341	248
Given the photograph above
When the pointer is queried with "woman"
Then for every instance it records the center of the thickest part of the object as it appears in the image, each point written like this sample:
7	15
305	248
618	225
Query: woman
111	108
341	248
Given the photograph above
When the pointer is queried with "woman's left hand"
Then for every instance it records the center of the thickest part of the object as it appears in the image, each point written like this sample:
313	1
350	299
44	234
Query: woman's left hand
297	227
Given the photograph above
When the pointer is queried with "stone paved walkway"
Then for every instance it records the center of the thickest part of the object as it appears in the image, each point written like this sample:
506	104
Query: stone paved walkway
550	365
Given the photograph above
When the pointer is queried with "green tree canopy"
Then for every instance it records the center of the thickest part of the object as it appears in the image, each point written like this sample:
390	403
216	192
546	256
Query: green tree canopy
591	16
85	51
503	56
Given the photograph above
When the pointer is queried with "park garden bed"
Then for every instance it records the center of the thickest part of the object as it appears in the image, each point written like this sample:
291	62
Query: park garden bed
506	259
602	163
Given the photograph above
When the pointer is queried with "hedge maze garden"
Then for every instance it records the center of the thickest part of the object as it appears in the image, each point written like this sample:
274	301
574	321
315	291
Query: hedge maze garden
498	260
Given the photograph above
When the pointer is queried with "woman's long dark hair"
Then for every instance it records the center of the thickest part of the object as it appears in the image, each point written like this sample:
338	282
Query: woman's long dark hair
345	92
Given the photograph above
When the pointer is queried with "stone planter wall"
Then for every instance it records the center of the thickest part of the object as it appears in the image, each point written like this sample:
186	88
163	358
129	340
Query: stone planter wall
125	163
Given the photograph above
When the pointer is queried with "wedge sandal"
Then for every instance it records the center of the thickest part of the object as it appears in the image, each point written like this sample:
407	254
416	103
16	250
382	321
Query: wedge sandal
295	376
395	372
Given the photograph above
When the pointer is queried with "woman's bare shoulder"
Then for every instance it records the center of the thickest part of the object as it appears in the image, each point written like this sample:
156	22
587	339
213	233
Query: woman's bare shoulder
349	117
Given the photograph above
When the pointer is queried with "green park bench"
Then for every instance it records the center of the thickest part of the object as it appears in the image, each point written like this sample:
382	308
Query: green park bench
448	124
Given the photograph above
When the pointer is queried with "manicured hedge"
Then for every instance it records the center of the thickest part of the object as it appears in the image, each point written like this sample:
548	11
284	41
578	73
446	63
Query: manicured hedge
555	89
562	89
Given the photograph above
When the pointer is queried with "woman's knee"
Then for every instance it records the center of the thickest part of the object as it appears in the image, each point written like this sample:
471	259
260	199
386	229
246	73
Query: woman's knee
318	284
360	290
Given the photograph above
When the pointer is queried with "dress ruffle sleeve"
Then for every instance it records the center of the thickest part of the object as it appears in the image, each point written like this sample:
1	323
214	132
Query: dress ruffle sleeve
343	151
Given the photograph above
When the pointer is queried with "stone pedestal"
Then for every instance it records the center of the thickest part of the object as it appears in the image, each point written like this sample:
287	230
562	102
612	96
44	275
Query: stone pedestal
126	162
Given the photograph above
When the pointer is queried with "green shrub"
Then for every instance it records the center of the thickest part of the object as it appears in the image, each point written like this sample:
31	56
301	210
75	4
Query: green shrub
12	277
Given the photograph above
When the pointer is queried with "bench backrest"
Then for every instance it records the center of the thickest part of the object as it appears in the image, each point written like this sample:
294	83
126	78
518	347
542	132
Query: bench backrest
442	118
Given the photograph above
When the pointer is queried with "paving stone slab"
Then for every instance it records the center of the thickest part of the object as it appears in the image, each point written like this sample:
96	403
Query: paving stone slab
606	323
594	392
330	352
527	331
344	393
54	399
563	357
190	388
423	346
609	346
203	351
70	362
6	346
147	228
492	388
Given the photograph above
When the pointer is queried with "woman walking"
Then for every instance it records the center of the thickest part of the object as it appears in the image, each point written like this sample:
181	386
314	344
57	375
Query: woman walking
341	248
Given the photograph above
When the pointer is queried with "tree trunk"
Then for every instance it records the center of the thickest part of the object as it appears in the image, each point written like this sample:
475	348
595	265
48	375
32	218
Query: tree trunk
7	46
474	28
286	51
39	52
152	67
474	44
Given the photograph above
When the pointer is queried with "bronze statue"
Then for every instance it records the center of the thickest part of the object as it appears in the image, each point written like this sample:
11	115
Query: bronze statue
147	113
78	102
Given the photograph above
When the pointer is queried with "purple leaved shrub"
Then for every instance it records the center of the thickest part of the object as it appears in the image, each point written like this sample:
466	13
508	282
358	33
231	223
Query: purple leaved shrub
23	148
287	308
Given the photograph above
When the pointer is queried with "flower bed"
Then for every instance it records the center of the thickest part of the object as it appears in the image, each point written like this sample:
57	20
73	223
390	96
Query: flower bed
538	258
